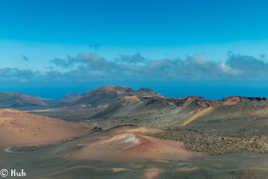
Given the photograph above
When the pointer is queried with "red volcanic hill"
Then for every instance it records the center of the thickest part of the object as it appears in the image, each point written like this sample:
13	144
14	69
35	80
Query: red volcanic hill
116	94
115	105
130	143
123	105
111	94
20	128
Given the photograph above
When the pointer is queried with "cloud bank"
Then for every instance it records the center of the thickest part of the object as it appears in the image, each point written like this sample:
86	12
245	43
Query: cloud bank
91	67
137	67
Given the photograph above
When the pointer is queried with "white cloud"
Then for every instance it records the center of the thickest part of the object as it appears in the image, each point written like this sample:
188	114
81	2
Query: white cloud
229	70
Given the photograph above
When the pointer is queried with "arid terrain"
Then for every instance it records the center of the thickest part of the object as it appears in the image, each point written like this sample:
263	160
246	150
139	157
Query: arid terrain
118	132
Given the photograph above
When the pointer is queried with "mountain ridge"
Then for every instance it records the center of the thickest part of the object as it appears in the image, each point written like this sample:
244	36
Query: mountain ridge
20	100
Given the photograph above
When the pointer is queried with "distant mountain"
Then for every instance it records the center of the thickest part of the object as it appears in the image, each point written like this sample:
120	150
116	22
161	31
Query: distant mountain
28	102
69	99
112	94
239	99
115	105
20	100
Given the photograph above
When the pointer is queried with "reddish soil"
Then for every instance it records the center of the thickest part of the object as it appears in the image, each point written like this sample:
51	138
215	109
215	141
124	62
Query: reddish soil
124	144
20	128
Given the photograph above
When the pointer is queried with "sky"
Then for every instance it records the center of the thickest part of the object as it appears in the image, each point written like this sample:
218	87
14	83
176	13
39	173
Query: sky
209	48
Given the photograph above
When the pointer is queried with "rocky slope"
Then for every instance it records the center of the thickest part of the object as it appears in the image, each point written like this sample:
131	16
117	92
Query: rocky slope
214	144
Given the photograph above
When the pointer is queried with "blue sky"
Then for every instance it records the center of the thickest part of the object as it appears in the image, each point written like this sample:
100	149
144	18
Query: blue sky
194	47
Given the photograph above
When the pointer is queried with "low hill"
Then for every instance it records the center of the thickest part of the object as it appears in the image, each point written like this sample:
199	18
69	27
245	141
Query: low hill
20	100
126	143
20	128
68	99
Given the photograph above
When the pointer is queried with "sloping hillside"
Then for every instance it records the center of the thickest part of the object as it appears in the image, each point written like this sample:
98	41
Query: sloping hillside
245	119
20	128
126	143
19	100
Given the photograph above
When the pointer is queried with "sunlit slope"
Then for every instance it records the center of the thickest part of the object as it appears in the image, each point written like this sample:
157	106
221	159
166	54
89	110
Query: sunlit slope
246	119
20	128
126	144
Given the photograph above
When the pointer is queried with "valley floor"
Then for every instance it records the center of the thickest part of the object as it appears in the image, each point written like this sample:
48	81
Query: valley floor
50	162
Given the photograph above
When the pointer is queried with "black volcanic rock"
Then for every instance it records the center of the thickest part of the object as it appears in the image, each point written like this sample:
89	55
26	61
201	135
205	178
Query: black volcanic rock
240	99
193	101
